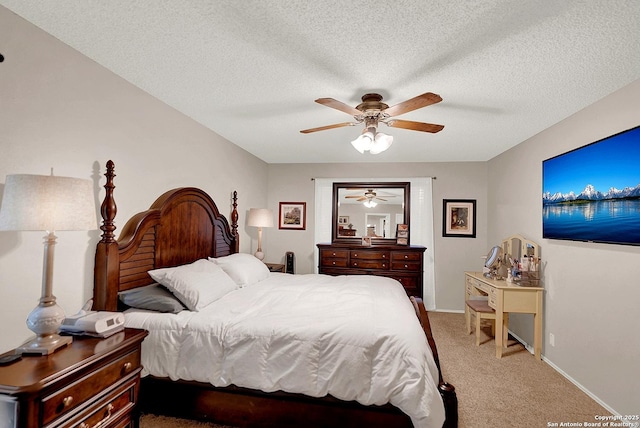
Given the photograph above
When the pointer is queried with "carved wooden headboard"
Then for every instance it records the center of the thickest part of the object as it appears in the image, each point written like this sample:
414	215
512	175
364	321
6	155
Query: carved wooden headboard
181	226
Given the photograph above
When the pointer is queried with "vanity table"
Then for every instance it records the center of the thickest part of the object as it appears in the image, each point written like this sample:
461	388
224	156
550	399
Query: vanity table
507	298
521	295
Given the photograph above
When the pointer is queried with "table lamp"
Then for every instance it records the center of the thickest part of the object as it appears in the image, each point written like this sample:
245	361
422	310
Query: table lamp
260	217
47	203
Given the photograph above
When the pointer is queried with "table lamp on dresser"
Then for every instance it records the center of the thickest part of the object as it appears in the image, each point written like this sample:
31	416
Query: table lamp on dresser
260	217
47	203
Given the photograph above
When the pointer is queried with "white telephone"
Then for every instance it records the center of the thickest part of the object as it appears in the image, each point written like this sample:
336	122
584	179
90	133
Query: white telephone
93	323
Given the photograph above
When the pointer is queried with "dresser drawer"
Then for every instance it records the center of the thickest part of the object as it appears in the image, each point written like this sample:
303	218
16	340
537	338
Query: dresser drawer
369	264
67	399
369	255
340	254
406	265
327	262
398	256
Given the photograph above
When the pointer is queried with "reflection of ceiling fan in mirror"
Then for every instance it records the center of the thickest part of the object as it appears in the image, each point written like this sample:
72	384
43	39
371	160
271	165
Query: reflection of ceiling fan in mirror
369	194
369	197
372	111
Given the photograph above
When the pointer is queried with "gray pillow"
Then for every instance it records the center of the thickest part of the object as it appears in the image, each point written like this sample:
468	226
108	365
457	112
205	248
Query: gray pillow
152	297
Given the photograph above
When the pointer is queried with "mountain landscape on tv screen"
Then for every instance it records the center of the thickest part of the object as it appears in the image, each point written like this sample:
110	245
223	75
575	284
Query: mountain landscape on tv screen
591	194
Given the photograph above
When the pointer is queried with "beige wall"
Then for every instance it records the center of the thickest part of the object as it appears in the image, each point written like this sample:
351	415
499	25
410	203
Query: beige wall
592	293
60	110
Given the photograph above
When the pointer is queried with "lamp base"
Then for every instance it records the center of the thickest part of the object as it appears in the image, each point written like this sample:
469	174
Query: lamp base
45	345
259	255
45	320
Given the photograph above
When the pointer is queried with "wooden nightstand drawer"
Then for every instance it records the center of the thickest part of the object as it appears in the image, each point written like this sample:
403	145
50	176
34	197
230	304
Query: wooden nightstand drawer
77	393
112	407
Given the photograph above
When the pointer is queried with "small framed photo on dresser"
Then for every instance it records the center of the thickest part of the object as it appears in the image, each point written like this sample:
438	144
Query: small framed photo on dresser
402	234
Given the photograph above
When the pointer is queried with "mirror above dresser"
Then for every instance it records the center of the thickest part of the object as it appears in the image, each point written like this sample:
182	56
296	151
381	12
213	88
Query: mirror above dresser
370	210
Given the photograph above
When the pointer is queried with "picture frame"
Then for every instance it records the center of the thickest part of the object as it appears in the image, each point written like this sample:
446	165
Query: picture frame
343	219
292	215
402	234
459	218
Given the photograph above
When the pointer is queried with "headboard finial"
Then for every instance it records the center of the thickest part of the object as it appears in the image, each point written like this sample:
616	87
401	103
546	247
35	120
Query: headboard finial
234	220
109	209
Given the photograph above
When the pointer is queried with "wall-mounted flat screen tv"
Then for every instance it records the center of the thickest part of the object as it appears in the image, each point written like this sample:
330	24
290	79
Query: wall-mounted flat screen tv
592	193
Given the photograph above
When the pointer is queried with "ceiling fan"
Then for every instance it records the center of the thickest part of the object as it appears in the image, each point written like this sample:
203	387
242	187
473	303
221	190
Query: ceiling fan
372	111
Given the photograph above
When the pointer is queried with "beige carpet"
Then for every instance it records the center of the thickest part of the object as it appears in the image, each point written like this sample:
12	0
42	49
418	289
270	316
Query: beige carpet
515	391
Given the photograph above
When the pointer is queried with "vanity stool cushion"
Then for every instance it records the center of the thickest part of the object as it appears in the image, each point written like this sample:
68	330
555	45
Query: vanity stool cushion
480	310
480	306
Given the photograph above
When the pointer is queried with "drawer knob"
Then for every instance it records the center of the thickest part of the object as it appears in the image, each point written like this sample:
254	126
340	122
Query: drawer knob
384	256
355	263
126	367
334	254
406	257
334	263
406	266
355	255
67	401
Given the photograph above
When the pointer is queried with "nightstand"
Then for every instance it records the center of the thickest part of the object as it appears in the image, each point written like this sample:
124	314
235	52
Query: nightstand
89	383
275	267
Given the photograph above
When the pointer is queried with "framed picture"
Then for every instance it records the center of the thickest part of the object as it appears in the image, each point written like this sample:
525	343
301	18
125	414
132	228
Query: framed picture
402	234
293	215
343	219
459	218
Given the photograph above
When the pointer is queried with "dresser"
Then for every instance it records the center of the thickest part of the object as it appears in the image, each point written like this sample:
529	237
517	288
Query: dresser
92	382
403	263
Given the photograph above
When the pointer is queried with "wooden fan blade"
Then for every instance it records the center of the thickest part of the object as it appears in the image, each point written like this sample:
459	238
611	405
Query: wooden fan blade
413	104
415	126
339	105
353	196
361	199
322	128
380	199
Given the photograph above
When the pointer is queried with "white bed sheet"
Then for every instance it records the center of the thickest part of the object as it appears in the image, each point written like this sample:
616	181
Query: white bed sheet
354	337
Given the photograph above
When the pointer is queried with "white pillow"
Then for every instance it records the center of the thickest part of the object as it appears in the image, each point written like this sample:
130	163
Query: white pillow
243	268
197	284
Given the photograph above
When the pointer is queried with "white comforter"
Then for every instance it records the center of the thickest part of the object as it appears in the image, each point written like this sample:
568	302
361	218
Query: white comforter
354	337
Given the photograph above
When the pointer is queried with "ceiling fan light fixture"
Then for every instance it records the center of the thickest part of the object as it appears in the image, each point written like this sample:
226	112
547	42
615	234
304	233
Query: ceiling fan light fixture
363	142
381	142
370	204
372	142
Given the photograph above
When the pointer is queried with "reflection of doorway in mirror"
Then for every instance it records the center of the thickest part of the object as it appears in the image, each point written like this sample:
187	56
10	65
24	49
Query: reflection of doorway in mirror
378	224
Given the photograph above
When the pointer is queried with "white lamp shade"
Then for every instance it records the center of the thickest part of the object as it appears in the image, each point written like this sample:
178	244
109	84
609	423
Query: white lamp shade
381	143
260	217
50	203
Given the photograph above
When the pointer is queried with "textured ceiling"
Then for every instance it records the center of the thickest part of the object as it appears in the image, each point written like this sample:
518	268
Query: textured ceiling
250	70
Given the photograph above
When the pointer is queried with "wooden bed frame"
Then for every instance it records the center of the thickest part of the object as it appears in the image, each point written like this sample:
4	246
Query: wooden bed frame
184	225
